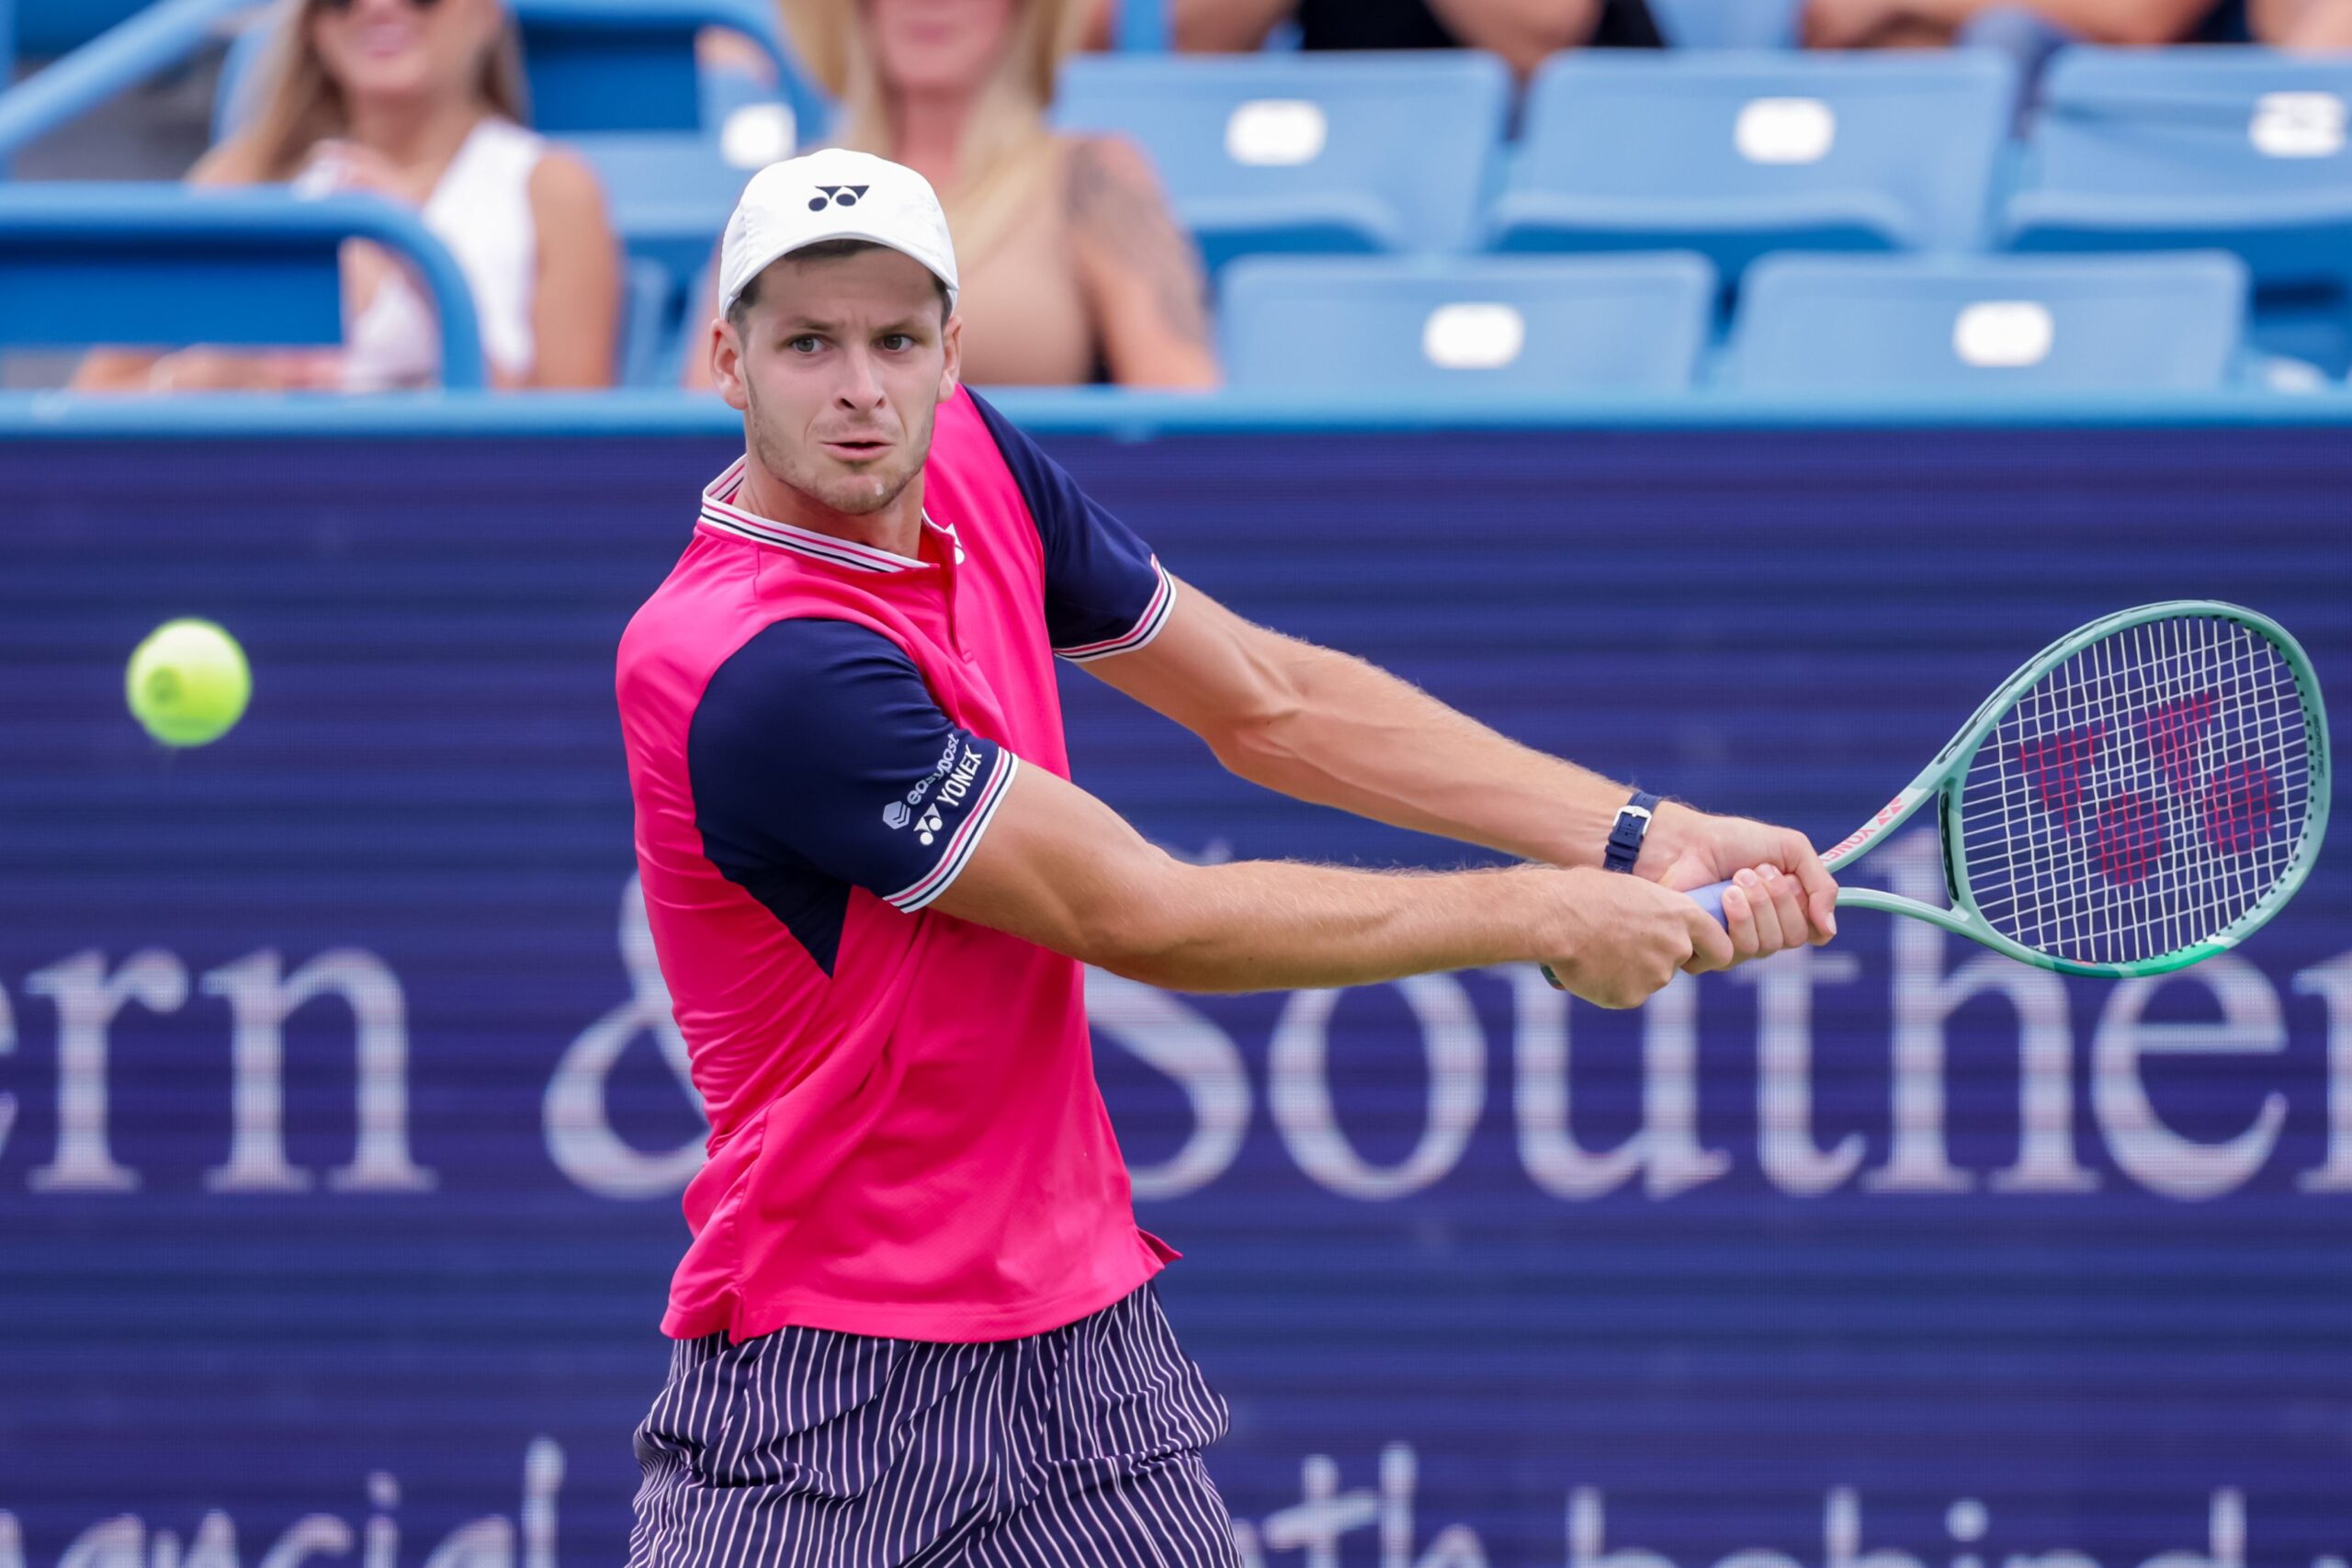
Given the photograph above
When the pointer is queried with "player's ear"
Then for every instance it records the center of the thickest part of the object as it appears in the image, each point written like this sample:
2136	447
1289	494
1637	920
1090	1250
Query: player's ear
726	350
950	371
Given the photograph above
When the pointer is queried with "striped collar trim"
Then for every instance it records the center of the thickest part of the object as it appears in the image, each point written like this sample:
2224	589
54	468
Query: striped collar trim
719	511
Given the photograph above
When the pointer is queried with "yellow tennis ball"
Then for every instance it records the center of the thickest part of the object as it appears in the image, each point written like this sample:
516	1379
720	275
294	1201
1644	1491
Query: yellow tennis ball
188	682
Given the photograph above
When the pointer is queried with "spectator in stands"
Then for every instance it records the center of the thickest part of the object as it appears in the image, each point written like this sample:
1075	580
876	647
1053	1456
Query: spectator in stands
419	101
2301	24
1521	31
1074	269
1881	24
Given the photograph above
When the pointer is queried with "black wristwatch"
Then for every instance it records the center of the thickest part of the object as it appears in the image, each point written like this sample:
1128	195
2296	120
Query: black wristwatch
1626	835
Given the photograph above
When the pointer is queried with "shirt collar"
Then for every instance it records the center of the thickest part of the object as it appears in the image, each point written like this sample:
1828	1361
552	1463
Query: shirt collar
720	511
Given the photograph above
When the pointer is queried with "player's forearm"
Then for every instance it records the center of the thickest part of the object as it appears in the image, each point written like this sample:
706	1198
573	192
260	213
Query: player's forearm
1274	925
1058	868
1351	736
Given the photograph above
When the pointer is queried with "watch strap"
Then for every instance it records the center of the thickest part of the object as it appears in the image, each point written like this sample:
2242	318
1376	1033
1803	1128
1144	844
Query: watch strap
1626	833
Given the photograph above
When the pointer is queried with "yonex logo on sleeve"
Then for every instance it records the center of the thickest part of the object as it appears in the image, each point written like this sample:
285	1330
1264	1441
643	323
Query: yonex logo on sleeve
836	196
960	780
957	773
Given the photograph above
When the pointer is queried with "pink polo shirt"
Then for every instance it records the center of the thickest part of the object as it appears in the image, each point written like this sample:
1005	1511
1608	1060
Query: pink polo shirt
906	1136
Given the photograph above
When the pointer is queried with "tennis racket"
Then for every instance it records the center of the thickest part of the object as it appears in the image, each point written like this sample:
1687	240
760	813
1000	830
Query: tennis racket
2145	792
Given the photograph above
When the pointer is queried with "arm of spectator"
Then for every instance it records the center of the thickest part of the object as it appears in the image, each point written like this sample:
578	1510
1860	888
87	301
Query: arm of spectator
575	311
201	368
1521	31
1224	27
1102	22
694	363
2303	24
1859	24
1139	268
137	370
2327	24
117	370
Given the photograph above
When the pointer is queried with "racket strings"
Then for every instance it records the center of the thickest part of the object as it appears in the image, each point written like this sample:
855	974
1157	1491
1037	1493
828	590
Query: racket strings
2142	796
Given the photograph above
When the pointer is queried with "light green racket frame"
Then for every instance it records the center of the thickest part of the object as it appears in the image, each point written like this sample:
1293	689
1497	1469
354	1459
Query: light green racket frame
1943	781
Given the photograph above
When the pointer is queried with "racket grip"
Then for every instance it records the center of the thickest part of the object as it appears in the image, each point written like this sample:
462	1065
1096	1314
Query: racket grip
1710	898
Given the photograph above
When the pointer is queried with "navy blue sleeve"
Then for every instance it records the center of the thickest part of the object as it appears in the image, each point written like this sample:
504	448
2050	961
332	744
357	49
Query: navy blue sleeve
1105	591
818	748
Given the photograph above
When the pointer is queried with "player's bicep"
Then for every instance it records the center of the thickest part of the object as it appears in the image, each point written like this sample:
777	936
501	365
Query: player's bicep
1059	868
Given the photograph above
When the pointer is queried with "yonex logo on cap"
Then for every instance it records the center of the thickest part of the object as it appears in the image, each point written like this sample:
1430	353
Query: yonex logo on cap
829	195
928	828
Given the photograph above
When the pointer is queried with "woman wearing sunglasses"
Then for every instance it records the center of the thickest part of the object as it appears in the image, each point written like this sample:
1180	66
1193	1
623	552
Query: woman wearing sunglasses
419	101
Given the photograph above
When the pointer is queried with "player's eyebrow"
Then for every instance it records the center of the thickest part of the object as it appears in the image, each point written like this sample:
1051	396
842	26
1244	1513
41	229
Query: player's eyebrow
797	324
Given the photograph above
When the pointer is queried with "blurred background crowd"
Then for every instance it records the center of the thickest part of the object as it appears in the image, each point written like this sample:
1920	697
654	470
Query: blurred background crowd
586	250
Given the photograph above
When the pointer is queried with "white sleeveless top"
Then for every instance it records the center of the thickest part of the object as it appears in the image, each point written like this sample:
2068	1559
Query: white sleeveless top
481	210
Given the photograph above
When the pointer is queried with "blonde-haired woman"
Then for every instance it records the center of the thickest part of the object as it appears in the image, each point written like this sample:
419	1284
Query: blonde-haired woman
419	101
1073	268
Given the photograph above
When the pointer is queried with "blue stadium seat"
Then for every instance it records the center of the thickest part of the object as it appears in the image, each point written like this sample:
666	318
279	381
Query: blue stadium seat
163	266
1472	324
2236	148
670	196
2150	148
1314	152
629	65
46	28
1972	325
1735	154
646	325
1728	24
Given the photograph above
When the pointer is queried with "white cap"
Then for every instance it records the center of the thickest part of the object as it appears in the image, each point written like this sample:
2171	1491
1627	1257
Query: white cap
834	194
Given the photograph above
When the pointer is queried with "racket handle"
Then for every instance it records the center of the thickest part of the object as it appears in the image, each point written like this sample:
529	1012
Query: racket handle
1710	898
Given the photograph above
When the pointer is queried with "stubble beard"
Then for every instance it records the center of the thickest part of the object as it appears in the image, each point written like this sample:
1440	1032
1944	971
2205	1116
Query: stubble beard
851	494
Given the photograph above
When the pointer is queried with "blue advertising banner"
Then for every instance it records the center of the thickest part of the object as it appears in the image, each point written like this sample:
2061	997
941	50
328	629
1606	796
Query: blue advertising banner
343	1124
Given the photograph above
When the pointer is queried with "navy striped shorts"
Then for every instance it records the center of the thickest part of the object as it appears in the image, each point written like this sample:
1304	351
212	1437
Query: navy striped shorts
812	1449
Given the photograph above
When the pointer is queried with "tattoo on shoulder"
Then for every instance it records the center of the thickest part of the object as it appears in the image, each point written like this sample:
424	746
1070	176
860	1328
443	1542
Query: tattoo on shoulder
1127	215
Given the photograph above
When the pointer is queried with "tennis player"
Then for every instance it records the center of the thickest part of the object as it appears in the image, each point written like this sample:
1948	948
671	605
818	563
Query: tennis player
916	1324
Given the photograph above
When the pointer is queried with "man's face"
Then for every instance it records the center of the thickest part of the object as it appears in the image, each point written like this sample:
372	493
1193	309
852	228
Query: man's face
839	366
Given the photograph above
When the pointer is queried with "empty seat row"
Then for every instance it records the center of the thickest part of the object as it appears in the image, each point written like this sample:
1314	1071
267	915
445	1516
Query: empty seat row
261	267
1629	323
1736	154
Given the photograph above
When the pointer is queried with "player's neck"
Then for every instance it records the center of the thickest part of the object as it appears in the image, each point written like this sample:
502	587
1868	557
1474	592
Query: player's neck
897	528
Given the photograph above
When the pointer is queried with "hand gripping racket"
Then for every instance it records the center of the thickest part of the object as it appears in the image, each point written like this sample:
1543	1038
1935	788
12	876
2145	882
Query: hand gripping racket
2145	792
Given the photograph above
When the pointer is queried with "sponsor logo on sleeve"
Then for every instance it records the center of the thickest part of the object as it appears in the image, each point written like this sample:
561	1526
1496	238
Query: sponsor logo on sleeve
899	813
